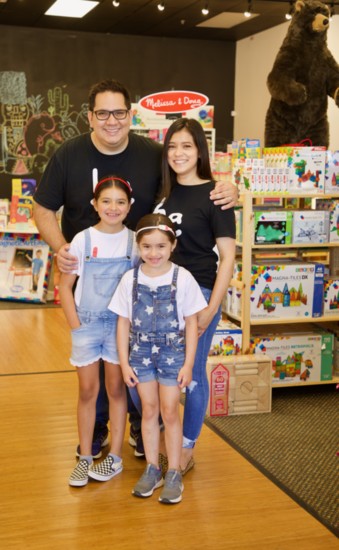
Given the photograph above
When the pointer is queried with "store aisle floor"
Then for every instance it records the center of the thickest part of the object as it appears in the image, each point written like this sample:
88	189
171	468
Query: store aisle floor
227	503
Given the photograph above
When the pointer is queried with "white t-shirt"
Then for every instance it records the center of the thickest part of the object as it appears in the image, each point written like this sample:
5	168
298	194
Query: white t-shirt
189	297
104	245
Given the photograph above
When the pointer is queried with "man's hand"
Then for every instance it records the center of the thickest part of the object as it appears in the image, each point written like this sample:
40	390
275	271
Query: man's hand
224	194
66	262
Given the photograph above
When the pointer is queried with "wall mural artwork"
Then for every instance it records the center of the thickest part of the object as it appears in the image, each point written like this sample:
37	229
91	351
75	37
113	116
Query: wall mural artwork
33	127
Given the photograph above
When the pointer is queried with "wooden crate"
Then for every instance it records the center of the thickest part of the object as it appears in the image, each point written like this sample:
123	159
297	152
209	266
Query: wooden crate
239	384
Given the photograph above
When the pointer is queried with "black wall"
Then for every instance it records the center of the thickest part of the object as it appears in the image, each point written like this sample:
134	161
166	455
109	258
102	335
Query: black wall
46	75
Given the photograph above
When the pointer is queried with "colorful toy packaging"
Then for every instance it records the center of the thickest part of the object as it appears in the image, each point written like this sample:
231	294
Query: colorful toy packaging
273	227
311	226
297	358
284	290
227	339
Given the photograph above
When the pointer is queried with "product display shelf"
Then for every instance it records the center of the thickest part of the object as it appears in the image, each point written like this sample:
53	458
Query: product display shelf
246	200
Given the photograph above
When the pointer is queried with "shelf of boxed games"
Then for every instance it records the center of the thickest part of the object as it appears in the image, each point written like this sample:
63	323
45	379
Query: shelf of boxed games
245	286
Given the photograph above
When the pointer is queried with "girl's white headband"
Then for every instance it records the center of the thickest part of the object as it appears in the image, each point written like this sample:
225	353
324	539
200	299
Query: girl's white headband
161	226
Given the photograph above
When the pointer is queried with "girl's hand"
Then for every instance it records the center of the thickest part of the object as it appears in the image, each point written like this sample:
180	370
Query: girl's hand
185	376
129	376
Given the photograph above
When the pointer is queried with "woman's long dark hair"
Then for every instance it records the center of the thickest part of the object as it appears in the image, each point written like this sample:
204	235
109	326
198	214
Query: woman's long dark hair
203	168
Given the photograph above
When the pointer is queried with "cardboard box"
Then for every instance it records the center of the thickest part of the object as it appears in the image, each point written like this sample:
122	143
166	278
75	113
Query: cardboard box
297	358
334	223
307	170
273	227
331	295
25	262
284	290
239	384
332	172
227	339
311	226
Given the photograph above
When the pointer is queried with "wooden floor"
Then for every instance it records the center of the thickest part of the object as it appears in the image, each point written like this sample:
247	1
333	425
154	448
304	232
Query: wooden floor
227	503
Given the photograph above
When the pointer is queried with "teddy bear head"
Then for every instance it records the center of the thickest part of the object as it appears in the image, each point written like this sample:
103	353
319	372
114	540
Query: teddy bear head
311	16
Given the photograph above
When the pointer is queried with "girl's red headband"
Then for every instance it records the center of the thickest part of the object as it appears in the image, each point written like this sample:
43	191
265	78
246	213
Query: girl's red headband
112	178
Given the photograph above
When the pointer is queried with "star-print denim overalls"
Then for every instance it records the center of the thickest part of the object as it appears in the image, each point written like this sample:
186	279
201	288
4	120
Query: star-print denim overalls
96	337
157	344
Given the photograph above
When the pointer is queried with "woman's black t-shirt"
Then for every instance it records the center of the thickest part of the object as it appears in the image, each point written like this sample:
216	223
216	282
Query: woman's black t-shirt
198	224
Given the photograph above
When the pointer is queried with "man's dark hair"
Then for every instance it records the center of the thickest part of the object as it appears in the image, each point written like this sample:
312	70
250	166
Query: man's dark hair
108	86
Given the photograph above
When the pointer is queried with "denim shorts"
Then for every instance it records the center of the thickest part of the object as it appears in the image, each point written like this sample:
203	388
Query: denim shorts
95	339
158	361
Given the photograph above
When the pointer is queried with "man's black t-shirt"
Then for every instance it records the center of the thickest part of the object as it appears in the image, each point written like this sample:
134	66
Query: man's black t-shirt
198	224
68	179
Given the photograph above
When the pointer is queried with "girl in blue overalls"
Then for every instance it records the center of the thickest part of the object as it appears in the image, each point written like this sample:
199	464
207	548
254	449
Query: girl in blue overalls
105	252
157	305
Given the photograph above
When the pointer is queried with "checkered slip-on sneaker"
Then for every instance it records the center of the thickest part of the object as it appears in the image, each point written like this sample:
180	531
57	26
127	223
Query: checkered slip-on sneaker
79	476
151	479
173	488
105	470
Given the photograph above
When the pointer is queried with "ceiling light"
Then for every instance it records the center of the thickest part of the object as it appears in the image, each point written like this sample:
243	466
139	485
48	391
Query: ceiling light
288	15
205	10
161	6
116	3
248	13
71	8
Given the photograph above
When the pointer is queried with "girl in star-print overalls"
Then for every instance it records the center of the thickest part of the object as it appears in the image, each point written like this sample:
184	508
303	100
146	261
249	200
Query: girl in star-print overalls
105	252
157	304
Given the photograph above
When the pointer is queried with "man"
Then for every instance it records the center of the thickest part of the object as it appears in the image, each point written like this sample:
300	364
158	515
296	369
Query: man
110	148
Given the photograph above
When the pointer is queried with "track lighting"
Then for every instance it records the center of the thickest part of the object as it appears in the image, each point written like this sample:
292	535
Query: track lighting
248	12
161	6
116	3
205	10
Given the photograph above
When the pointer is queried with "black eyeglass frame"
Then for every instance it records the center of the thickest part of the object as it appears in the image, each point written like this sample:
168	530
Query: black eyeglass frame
109	113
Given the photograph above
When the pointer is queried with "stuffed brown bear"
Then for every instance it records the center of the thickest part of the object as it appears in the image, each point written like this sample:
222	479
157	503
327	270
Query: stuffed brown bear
303	75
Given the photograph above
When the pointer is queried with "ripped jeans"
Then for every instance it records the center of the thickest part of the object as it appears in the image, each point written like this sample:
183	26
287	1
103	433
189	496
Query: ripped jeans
197	393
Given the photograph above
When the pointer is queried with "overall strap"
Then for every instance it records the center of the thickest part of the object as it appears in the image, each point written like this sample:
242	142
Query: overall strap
135	285
174	282
87	245
129	244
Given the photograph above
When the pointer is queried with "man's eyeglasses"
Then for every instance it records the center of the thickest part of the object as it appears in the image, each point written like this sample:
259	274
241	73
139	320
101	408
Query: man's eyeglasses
119	114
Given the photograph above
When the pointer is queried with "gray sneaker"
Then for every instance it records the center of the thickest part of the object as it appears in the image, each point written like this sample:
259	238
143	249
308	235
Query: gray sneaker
151	479
172	491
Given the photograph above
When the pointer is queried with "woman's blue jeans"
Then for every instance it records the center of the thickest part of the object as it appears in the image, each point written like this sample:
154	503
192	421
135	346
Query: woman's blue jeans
197	393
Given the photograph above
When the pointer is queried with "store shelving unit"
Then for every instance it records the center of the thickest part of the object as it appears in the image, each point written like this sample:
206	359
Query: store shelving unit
247	199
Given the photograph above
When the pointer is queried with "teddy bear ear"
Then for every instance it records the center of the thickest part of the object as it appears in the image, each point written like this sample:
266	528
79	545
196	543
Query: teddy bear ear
299	5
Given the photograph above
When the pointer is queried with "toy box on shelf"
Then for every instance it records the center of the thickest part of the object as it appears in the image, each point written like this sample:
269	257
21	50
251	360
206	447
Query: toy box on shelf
296	358
311	226
25	262
239	384
280	290
331	295
273	227
332	172
227	339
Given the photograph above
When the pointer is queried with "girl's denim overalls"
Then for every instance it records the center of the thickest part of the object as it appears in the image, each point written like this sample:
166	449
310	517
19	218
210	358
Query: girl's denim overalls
157	346
96	337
